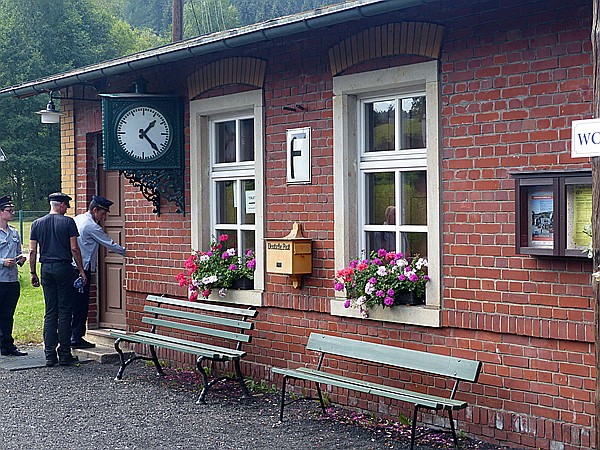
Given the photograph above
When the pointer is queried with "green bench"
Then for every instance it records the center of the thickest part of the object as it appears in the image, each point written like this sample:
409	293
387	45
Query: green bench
457	369
185	326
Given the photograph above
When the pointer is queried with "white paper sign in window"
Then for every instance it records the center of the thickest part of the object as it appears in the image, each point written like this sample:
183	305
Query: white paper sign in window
298	155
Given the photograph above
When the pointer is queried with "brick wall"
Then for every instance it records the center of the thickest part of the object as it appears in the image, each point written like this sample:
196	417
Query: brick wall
512	80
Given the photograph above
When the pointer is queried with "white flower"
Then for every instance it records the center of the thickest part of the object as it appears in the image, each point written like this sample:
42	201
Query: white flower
382	271
420	263
361	300
231	252
222	292
209	280
369	288
204	258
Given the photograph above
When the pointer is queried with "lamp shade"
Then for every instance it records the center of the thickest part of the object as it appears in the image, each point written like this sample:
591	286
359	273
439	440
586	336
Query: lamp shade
50	114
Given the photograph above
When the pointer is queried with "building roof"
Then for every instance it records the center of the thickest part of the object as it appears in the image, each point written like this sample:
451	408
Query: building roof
211	43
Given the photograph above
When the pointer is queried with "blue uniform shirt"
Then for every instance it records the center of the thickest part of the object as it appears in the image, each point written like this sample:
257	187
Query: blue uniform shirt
10	247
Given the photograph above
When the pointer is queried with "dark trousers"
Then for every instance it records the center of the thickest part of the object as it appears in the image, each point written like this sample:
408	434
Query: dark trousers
57	282
9	296
81	307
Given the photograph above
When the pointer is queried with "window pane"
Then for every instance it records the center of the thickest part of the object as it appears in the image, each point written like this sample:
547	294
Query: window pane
381	239
380	126
414	244
225	141
232	242
414	198
379	197
413	123
226	202
248	241
247	140
248	201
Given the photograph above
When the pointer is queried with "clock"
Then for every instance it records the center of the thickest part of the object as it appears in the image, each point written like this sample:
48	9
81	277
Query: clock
142	132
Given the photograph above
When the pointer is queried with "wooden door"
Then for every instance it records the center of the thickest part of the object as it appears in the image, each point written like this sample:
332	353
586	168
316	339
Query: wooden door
111	266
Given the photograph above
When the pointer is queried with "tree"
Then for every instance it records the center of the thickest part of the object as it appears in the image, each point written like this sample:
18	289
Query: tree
33	35
202	17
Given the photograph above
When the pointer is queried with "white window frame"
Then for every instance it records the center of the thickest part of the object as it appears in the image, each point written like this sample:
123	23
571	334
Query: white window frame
203	113
348	90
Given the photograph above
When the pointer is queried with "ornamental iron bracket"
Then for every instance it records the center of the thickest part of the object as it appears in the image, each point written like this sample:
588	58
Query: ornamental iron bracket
156	183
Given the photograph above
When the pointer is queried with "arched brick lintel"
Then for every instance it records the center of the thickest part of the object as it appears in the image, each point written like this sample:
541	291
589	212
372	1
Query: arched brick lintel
392	39
227	71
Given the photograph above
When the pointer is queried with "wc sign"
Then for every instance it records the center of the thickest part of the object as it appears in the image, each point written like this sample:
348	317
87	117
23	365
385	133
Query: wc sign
585	138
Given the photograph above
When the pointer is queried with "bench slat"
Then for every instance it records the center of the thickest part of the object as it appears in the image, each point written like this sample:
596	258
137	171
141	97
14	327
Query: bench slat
203	306
199	317
197	329
222	351
458	368
160	343
419	397
355	386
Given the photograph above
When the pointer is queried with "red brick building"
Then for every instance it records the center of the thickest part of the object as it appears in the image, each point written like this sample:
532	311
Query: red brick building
494	87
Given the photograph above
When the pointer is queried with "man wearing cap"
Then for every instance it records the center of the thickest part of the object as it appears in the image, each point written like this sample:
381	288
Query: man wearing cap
91	236
10	255
56	235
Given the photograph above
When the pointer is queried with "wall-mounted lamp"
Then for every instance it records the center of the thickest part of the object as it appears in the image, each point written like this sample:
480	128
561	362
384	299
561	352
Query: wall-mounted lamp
50	114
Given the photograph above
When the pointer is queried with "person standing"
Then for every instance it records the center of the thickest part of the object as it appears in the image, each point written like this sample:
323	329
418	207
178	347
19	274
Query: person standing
91	236
10	290
56	235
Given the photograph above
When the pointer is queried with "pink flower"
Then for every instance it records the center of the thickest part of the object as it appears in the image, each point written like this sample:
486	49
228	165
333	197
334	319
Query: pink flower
182	279
252	263
338	286
388	301
205	293
223	238
232	267
193	296
347	304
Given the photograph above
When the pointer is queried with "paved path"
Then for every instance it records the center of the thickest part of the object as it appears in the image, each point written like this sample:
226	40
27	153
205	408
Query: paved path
83	407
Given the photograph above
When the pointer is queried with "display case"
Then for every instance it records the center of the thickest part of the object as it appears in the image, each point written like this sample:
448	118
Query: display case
552	211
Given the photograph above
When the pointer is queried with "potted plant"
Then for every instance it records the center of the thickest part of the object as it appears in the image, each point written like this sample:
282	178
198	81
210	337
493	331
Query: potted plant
385	278
218	268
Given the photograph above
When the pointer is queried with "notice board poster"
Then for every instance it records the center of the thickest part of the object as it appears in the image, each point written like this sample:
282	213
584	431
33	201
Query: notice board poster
582	215
541	227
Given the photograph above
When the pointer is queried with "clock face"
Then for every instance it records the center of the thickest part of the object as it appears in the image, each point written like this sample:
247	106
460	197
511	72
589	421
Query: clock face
143	133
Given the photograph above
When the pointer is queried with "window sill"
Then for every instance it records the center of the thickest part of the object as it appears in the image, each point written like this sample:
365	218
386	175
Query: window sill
408	315
238	297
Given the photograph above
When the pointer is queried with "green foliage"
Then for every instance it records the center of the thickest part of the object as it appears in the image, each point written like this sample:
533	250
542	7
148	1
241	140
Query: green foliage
260	387
34	33
205	17
29	315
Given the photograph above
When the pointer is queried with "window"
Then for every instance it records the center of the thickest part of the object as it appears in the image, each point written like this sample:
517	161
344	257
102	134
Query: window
552	211
393	182
226	160
387	155
233	181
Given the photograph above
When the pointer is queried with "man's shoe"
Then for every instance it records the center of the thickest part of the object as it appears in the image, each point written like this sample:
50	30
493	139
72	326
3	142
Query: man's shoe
68	360
82	344
15	352
51	362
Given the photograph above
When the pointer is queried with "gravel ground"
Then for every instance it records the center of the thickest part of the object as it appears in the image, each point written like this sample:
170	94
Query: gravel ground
83	407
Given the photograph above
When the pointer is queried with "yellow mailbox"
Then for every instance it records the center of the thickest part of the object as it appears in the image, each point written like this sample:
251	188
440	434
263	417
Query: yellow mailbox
290	255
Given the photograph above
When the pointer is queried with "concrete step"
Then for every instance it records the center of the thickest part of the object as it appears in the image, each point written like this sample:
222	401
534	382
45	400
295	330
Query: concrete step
104	352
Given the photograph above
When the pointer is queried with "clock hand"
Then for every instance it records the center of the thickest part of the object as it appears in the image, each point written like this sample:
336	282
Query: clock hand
151	142
143	132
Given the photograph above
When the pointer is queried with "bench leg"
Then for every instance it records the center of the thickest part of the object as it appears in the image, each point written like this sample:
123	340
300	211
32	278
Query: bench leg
238	371
159	370
320	398
121	359
452	428
204	380
414	427
282	398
